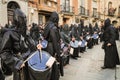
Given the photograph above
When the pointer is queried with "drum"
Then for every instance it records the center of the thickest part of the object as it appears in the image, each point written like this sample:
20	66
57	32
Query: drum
37	66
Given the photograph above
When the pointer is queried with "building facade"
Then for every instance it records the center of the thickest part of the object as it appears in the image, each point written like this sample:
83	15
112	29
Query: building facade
110	9
45	8
70	11
40	10
32	11
7	7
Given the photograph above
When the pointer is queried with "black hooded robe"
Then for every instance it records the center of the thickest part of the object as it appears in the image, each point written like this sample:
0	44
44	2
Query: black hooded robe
52	35
16	46
111	54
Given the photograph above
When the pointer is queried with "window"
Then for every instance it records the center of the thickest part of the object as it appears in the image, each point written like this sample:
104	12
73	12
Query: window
40	19
94	4
10	8
119	11
83	3
66	5
45	1
39	1
94	12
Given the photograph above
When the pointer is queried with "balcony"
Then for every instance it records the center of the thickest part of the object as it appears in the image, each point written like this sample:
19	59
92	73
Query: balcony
46	7
96	15
83	12
111	11
67	9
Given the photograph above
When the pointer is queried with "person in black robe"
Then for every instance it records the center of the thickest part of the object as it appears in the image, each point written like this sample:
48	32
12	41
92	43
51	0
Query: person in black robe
65	29
111	54
52	35
74	31
90	29
96	28
79	30
34	33
101	31
16	46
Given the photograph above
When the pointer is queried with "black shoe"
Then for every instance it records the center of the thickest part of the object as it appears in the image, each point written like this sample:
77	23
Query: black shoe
103	67
78	56
74	58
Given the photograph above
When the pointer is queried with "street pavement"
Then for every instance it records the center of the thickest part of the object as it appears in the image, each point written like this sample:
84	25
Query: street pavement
88	67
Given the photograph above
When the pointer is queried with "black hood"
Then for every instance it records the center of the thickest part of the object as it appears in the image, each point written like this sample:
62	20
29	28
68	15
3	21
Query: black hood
54	17
19	21
107	23
53	21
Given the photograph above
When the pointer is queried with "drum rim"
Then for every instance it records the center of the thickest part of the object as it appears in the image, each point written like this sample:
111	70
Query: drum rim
38	69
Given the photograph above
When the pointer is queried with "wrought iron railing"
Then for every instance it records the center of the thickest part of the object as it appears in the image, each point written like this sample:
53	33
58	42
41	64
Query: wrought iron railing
67	9
83	11
96	14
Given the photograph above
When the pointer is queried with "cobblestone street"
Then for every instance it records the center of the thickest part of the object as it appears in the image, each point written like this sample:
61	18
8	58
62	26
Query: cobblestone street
88	67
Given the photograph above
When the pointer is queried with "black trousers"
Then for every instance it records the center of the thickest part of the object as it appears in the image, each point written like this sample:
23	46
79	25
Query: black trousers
95	41
82	49
75	52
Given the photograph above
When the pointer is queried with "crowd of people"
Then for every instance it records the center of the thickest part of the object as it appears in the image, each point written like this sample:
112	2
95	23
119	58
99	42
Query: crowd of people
17	41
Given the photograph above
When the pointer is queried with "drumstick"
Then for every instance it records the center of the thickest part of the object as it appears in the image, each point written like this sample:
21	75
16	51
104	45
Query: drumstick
40	53
29	57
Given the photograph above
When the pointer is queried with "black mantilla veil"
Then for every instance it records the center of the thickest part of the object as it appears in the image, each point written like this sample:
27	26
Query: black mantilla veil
19	21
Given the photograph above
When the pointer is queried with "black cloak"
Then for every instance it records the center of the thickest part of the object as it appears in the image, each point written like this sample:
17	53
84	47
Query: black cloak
52	35
111	54
16	46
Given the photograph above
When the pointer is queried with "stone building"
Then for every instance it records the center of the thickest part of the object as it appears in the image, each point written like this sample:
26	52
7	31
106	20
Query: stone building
7	7
72	11
32	11
40	10
110	9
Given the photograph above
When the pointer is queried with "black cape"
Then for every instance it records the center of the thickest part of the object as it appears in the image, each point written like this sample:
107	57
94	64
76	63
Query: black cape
111	53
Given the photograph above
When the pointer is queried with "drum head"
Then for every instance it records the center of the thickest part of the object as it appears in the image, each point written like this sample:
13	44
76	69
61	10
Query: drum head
38	64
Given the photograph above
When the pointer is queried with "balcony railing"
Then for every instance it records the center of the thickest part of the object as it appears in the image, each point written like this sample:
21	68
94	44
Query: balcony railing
83	11
67	9
96	15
